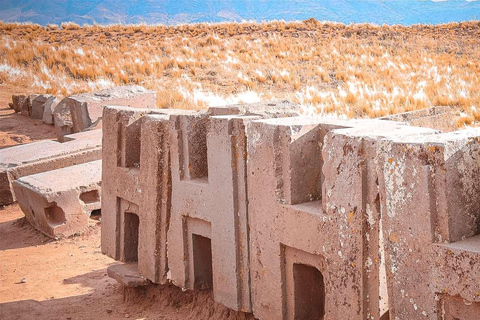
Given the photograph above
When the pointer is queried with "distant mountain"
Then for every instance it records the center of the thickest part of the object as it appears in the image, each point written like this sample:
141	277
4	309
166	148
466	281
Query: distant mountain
174	12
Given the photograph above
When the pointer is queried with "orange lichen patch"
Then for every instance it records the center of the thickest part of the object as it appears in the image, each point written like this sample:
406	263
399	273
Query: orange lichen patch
393	237
350	216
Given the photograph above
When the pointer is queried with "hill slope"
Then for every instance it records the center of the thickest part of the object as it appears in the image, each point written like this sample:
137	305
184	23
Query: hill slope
174	12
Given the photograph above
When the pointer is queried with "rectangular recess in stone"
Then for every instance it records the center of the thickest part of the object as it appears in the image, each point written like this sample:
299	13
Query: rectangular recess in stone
202	261
131	236
298	163
192	145
309	292
304	292
133	144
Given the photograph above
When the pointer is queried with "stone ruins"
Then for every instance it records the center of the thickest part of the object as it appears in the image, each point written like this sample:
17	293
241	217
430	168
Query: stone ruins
280	215
288	217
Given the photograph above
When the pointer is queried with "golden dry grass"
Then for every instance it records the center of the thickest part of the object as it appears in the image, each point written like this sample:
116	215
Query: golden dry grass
344	70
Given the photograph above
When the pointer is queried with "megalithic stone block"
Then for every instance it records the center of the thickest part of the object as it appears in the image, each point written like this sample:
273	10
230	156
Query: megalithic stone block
361	143
38	105
208	233
82	111
430	203
48	108
41	156
146	152
59	202
136	188
310	241
20	102
29	106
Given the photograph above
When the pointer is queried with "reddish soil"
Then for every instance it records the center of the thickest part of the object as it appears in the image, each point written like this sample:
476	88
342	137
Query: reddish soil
15	128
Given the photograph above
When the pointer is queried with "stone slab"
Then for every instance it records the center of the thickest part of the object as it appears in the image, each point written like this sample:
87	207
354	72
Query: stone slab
36	157
82	111
127	275
59	202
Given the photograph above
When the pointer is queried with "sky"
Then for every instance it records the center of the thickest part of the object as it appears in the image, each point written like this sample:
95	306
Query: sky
174	12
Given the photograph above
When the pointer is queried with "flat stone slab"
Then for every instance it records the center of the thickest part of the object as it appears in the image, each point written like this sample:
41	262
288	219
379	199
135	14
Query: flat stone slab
59	202
41	156
274	109
127	275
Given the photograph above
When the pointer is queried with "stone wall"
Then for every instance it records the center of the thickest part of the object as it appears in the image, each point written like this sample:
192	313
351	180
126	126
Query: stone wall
288	217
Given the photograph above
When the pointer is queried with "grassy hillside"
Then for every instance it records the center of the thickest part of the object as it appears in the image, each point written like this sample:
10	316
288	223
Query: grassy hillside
342	70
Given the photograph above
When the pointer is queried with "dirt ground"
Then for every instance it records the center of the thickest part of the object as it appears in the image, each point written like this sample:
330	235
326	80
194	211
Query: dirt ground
41	278
15	128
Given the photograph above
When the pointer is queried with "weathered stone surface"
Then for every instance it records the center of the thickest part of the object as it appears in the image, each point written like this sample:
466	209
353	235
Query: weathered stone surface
10	105
62	119
48	108
296	217
209	209
37	104
150	153
308	215
457	270
28	110
36	157
269	109
438	117
59	202
82	111
429	195
136	188
20	102
127	274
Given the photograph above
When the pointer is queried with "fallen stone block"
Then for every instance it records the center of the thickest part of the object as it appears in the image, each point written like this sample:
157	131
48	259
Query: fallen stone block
127	275
59	202
36	157
62	119
27	111
82	111
38	106
48	108
20	102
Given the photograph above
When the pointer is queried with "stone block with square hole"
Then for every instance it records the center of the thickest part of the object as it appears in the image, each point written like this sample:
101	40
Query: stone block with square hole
158	175
208	233
431	224
136	184
314	252
59	202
